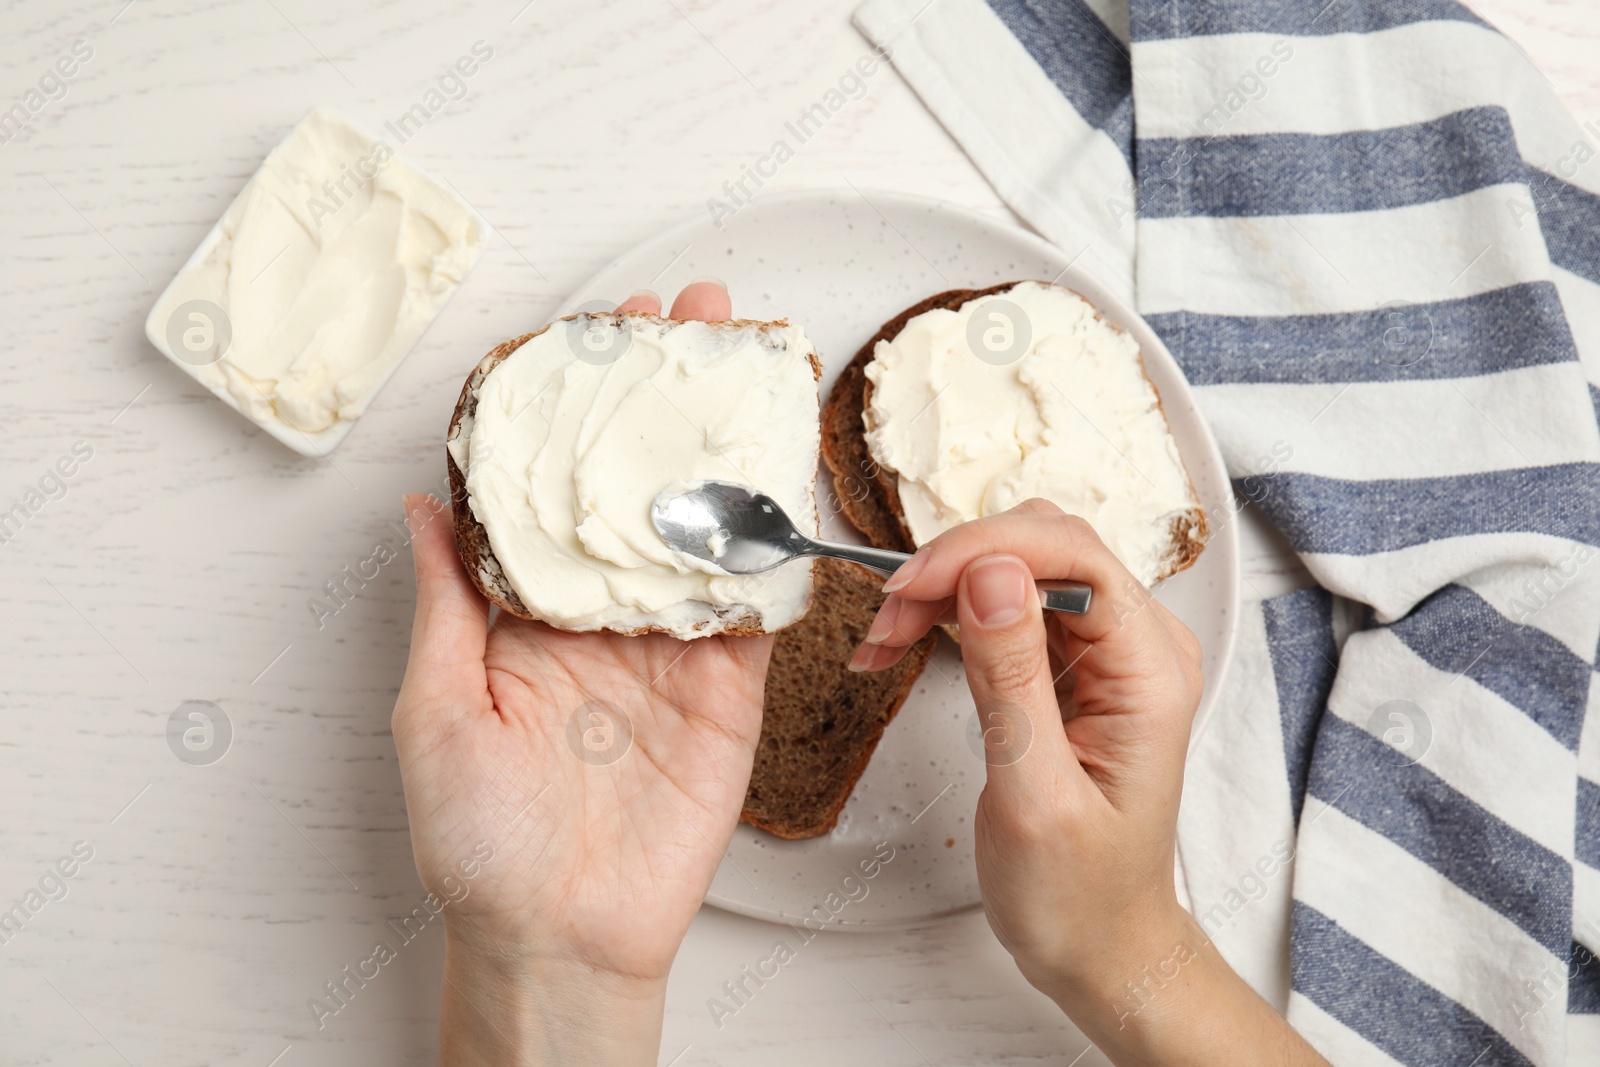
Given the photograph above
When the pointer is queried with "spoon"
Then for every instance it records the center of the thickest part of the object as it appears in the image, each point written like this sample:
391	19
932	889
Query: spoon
745	532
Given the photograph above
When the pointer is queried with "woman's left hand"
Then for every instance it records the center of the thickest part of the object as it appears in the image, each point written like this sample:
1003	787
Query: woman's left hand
590	782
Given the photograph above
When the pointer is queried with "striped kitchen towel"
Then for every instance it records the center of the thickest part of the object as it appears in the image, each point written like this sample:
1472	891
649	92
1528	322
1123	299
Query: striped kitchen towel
1370	234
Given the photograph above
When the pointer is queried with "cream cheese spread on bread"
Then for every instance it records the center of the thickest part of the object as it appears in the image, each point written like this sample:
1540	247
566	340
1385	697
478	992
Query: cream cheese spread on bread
1027	393
327	268
576	431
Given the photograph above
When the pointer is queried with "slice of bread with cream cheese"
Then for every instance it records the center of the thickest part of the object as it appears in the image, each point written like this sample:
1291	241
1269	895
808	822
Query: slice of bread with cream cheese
563	437
973	401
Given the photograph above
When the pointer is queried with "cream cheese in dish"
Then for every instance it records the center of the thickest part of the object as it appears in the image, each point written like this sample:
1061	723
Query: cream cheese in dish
576	432
1027	393
325	270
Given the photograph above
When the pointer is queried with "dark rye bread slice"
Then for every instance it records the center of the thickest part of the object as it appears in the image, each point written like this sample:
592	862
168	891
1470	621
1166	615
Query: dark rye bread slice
472	540
867	491
821	722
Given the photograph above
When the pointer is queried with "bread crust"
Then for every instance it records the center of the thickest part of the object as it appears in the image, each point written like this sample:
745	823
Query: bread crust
868	492
472	540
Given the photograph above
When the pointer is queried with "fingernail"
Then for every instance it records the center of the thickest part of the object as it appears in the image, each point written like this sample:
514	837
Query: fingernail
998	590
644	292
883	623
908	571
862	660
708	280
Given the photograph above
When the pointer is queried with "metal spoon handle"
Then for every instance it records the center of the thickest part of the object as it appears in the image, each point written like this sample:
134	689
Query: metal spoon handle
1071	597
878	559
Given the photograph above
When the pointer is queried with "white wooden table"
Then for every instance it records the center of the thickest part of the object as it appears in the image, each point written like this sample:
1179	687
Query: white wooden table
176	563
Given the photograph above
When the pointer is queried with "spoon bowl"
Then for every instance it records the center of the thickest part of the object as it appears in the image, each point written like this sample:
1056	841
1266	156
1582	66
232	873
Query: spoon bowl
736	528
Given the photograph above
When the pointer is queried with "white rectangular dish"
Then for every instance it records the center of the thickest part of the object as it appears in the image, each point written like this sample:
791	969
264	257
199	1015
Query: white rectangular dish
311	289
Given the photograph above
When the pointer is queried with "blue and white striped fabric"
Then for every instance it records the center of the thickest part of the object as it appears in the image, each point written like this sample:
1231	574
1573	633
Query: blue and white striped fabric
1370	234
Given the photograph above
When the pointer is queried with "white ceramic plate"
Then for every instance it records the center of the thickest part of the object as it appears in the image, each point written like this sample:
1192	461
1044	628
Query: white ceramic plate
841	263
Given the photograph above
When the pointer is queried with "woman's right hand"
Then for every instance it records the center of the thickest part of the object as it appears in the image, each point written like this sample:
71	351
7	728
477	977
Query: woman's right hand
1086	725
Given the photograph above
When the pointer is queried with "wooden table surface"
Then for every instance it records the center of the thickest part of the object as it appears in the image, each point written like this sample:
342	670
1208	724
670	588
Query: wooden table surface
177	561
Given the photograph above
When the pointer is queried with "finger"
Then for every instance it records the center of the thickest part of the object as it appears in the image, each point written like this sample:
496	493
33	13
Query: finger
1004	648
644	300
1059	638
898	625
905	622
1053	545
871	658
1036	505
450	630
706	300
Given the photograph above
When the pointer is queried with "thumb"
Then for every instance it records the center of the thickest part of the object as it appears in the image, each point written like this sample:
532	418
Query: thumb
451	626
1003	645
